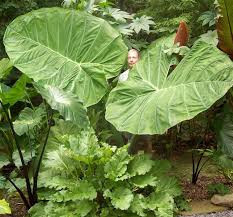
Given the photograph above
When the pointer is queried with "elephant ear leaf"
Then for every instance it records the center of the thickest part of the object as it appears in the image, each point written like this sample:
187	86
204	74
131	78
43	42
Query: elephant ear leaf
69	105
67	49
225	26
152	100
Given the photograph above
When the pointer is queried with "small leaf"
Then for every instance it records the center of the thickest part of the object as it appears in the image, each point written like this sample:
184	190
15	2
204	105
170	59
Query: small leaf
144	180
5	67
169	185
140	165
121	198
28	119
3	160
162	204
4	207
118	15
138	205
16	93
27	155
161	167
142	23
117	165
208	17
211	37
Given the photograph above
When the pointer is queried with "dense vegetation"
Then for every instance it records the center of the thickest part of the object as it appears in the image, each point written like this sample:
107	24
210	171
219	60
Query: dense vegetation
62	114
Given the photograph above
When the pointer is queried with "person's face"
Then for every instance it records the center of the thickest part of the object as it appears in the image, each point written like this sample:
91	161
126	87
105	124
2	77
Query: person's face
132	58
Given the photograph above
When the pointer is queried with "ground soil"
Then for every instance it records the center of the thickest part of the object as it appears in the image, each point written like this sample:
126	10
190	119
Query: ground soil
17	208
199	190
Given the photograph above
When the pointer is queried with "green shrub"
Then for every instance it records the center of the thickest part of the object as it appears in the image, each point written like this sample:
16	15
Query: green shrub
83	177
218	188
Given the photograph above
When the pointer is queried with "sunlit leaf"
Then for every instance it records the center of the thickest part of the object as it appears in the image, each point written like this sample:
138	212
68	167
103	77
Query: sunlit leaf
152	100
4	207
28	119
69	105
141	23
67	49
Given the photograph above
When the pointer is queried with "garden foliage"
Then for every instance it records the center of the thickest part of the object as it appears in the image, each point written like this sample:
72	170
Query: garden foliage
154	99
69	56
84	177
79	62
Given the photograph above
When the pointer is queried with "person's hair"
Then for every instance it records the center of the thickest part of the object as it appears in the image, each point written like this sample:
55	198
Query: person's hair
135	50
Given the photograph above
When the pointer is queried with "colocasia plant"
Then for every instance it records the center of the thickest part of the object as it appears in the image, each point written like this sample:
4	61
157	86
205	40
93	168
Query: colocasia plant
83	177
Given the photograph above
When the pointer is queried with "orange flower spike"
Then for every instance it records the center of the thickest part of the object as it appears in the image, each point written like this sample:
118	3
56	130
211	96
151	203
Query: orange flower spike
182	35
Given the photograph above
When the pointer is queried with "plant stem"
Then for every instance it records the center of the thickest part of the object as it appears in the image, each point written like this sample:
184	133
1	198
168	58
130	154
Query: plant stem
35	177
198	169
20	193
202	166
193	166
25	170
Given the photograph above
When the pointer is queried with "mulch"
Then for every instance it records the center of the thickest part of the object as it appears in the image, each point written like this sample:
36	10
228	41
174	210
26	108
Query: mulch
200	190
17	208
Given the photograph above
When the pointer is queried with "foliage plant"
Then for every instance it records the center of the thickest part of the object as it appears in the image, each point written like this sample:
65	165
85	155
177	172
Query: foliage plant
167	14
123	21
88	61
157	96
23	140
75	64
218	188
199	164
84	177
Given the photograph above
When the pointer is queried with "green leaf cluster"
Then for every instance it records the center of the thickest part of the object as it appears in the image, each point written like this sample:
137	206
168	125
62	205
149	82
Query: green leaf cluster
84	177
167	14
218	188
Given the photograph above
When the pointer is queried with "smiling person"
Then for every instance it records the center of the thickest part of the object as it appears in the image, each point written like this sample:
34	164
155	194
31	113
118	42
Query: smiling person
133	57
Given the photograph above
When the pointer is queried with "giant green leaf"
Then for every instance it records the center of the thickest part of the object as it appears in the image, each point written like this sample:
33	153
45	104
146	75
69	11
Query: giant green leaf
152	100
67	49
225	26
